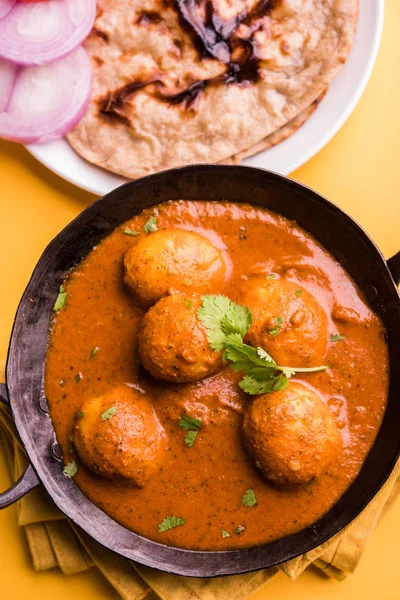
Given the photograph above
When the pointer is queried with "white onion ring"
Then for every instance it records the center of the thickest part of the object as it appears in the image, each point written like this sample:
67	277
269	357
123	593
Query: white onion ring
42	103
5	7
42	32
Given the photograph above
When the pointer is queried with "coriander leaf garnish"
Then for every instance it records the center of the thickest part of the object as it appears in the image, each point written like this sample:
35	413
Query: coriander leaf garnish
70	469
187	303
78	377
170	522
151	225
61	299
186	282
336	337
191	426
225	534
277	328
250	385
190	438
299	293
131	232
189	423
271	276
80	413
107	414
240	529
222	317
227	323
249	499
94	352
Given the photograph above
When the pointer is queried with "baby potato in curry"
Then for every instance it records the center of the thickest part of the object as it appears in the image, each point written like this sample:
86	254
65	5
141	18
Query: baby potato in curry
172	260
173	343
119	436
288	322
292	435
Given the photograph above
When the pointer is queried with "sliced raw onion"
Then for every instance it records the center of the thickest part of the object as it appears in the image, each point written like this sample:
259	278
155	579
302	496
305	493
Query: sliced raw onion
42	103
42	32
5	7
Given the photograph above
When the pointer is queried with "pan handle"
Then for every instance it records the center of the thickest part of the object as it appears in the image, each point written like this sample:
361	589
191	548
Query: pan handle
27	481
394	267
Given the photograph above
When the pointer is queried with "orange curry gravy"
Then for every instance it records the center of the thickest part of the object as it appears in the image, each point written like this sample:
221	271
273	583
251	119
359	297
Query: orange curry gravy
204	484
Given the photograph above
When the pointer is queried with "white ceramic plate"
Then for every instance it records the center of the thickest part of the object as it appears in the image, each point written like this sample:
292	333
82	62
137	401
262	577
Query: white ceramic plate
341	99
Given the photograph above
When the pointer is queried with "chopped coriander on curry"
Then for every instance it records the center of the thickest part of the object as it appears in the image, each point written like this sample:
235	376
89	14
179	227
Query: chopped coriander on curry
277	328
190	438
189	423
271	276
227	323
240	529
186	282
70	469
192	426
107	414
151	225
94	352
188	303
225	534
336	337
61	299
131	232
169	523
80	413
299	293
249	499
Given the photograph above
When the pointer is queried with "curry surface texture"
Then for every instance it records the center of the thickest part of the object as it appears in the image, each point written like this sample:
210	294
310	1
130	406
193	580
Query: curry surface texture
204	484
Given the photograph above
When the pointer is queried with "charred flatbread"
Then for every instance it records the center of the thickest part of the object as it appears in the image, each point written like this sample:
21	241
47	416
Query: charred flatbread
183	81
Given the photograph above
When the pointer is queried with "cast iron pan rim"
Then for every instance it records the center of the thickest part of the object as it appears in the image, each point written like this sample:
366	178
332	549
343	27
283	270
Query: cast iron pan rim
196	168
243	554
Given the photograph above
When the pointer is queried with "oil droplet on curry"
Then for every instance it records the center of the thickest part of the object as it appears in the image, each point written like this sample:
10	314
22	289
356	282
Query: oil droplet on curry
165	439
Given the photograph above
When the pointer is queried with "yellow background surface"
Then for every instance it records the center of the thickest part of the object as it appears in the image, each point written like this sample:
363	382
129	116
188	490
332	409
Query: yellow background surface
359	170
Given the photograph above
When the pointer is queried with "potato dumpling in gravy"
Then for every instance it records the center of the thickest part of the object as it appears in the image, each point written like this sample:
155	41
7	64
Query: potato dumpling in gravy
173	260
119	436
173	342
292	435
288	322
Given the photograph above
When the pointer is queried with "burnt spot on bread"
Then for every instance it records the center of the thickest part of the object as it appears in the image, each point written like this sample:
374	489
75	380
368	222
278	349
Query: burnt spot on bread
213	34
149	17
101	34
98	62
215	38
111	106
188	98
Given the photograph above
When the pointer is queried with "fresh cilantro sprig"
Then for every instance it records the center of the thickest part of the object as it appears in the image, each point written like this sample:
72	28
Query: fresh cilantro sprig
151	225
222	317
61	299
336	337
191	426
93	352
169	523
107	414
227	323
131	232
70	469
249	499
277	328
